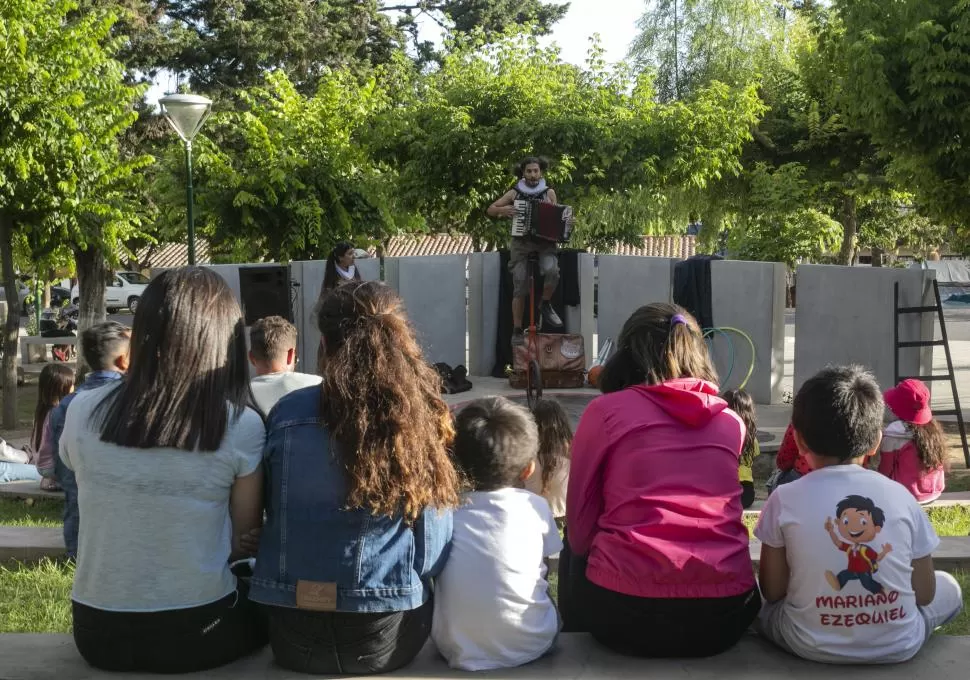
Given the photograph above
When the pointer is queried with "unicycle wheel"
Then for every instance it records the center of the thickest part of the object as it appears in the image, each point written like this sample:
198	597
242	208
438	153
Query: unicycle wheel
533	388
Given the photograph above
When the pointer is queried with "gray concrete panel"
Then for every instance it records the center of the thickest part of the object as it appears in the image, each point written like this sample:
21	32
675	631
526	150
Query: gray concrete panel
626	283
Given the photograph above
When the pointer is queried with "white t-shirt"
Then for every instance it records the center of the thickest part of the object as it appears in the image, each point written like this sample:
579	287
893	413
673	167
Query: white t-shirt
850	597
492	607
555	491
269	389
155	530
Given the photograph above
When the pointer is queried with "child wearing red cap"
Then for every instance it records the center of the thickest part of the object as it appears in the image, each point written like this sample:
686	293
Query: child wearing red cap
913	450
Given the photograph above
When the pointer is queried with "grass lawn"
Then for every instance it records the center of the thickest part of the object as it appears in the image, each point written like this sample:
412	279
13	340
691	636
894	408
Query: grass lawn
39	513
951	520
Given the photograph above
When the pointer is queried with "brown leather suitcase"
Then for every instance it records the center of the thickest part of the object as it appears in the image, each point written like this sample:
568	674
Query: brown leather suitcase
562	360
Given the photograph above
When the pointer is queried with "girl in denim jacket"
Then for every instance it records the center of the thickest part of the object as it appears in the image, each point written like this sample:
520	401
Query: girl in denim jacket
360	493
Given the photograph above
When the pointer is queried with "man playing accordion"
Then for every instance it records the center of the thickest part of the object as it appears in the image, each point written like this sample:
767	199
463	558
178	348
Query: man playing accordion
530	187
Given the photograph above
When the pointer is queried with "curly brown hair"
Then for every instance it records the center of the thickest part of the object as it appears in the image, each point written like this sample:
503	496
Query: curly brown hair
382	402
930	444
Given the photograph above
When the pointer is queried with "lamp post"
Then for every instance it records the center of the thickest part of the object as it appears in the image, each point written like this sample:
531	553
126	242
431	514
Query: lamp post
186	113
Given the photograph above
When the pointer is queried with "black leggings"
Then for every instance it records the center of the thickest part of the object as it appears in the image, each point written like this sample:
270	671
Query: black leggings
747	494
172	641
651	627
325	643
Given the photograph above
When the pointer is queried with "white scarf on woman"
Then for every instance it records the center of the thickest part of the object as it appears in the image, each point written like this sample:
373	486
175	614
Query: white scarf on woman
347	274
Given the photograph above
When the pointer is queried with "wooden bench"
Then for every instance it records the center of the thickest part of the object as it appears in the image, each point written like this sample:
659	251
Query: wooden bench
576	656
28	490
30	544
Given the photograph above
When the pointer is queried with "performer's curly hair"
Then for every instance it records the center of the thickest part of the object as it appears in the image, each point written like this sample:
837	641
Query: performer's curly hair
529	160
381	400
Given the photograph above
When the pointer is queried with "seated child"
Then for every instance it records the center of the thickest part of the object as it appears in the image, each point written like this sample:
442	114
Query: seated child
56	382
913	450
491	603
741	403
790	464
552	469
846	556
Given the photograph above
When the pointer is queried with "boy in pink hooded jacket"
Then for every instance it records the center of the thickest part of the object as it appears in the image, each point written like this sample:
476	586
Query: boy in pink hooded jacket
654	503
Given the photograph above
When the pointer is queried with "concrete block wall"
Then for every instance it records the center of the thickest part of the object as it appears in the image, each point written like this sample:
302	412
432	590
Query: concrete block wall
750	296
484	278
846	315
626	283
309	274
433	290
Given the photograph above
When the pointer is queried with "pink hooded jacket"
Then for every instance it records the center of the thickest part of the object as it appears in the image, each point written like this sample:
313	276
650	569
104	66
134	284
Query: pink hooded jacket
654	499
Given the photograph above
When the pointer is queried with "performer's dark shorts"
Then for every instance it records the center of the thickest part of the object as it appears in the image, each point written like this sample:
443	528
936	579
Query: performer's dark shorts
518	259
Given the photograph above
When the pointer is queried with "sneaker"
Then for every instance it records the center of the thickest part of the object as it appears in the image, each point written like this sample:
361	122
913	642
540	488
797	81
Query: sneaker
518	337
549	315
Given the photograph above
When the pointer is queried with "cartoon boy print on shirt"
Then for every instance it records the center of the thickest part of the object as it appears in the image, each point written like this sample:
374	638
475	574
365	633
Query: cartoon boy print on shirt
859	521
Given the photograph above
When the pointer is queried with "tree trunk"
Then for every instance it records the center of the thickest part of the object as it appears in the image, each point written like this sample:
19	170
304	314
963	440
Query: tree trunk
850	226
11	330
92	278
878	257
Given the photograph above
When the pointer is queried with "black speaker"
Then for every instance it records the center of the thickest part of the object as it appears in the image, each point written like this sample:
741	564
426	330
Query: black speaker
265	291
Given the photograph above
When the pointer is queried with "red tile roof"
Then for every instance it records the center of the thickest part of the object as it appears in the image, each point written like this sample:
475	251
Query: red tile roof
461	244
171	255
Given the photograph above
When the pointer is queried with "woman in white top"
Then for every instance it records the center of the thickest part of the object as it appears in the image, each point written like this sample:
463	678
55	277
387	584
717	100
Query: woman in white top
168	465
340	267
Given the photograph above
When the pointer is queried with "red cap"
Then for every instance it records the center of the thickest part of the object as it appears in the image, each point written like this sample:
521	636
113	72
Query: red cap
910	402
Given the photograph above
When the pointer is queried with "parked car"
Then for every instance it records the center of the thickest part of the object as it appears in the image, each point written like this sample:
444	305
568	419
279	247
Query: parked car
124	290
22	292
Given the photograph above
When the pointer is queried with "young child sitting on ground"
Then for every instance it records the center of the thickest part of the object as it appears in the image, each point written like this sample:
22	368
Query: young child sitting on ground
846	556
741	403
492	607
913	450
56	382
552	471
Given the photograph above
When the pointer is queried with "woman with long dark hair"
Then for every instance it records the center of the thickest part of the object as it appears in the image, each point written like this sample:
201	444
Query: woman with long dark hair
340	267
169	480
360	493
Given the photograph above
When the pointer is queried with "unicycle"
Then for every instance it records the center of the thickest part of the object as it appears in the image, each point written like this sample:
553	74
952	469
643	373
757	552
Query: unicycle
533	376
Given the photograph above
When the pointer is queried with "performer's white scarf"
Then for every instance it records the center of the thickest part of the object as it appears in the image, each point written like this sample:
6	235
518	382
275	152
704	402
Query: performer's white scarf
347	273
524	188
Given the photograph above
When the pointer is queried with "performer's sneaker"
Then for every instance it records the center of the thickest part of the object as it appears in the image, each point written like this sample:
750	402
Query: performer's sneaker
549	315
518	337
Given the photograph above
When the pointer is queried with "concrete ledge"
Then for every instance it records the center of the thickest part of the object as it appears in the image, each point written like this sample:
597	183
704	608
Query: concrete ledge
28	489
30	544
577	656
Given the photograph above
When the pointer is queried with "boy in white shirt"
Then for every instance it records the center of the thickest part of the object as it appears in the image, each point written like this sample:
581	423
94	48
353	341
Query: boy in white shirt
492	606
846	555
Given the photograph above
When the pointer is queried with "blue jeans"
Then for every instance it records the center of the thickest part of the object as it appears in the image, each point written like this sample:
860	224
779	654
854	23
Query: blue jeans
72	517
18	472
864	578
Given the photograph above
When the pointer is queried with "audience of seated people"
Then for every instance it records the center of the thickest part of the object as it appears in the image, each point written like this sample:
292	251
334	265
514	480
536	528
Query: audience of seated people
388	521
272	352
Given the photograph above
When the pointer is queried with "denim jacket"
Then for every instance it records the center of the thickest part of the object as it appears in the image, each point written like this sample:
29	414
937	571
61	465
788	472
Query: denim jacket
377	563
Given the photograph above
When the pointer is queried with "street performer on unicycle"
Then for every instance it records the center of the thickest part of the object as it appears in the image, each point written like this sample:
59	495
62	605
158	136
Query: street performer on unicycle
539	224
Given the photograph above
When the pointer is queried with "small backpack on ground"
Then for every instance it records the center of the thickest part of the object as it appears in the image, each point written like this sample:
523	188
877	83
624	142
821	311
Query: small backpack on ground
453	380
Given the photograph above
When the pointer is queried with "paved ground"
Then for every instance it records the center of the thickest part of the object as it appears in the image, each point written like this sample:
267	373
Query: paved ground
41	657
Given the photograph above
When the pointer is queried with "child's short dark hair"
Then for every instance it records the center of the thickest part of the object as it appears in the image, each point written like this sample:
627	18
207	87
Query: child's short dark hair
863	504
838	412
495	439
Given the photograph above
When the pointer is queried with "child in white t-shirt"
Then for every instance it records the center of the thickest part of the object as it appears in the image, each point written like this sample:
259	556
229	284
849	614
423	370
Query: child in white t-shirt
846	555
492	607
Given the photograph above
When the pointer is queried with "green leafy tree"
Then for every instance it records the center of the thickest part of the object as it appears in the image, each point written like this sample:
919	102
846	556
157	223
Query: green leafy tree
292	178
456	133
492	17
63	182
908	88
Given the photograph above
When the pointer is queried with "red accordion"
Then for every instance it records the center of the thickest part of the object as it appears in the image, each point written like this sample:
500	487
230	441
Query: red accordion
543	221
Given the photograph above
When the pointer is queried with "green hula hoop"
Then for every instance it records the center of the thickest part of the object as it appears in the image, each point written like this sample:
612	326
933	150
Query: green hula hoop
731	329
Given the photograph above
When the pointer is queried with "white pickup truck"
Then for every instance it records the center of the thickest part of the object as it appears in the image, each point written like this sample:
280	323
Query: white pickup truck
124	289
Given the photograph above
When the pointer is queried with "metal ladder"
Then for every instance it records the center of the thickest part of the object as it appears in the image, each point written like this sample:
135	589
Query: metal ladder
945	344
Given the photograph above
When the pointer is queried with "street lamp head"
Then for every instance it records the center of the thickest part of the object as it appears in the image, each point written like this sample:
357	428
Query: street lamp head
186	113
